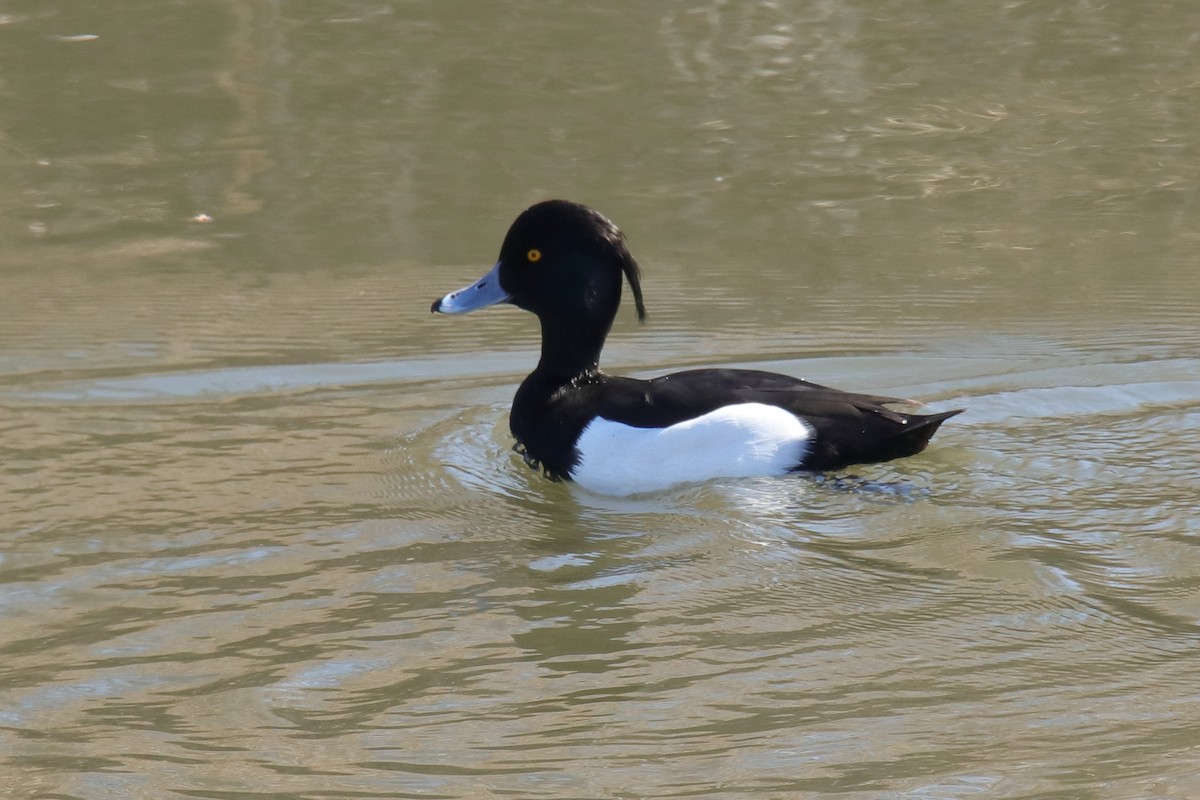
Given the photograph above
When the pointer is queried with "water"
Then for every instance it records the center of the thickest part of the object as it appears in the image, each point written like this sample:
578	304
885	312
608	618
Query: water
261	531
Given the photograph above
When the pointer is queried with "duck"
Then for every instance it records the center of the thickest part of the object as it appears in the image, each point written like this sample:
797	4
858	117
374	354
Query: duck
566	263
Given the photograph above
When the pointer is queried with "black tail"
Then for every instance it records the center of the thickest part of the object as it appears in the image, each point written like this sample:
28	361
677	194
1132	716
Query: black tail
880	435
920	428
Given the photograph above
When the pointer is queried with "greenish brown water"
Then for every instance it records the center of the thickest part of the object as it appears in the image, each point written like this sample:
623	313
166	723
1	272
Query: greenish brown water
261	533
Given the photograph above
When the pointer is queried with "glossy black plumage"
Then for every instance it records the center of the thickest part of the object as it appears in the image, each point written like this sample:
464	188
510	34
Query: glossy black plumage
565	262
850	428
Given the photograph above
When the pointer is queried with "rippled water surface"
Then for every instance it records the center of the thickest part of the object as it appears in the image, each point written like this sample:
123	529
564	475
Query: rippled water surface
261	531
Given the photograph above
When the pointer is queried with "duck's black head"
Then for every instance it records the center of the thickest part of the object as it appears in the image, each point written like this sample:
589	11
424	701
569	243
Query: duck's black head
565	258
564	262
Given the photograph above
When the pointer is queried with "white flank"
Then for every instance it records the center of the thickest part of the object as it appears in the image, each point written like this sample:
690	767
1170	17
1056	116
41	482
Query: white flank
732	442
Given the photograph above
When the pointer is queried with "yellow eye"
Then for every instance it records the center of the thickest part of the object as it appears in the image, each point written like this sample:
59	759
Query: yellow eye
534	256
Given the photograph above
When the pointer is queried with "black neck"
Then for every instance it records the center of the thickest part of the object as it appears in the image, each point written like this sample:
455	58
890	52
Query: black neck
571	347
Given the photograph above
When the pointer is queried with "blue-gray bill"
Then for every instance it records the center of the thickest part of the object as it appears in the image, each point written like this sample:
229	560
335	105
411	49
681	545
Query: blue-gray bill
484	292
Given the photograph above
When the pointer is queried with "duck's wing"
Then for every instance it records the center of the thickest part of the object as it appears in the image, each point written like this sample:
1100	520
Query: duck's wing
849	427
681	396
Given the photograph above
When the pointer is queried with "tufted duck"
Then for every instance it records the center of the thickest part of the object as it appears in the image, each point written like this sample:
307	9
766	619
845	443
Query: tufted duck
614	435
